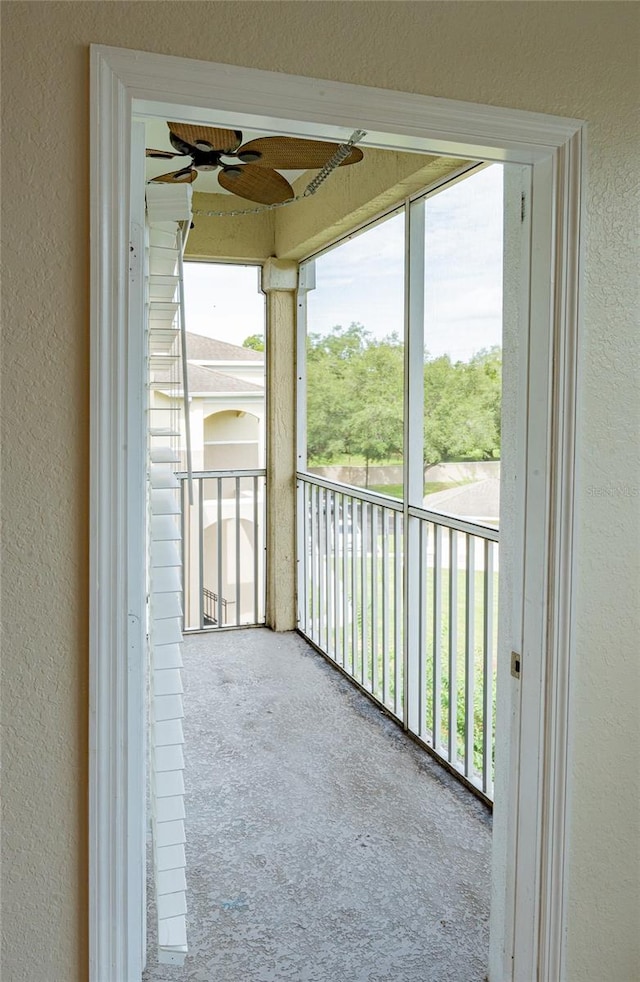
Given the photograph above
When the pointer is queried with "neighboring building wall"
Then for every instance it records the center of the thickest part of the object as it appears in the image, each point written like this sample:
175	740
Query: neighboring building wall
227	433
231	426
244	371
576	59
227	588
231	457
196	424
223	419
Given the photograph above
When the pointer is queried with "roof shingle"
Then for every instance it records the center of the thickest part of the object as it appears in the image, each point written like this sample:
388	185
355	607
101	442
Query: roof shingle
202	379
201	348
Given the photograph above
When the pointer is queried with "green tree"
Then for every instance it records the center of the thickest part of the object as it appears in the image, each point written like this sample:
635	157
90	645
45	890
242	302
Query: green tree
255	341
376	429
354	395
355	386
330	392
462	407
484	395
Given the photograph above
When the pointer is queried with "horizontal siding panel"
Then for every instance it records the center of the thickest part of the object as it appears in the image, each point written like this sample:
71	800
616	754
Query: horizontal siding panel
166	579
172	931
165	554
167	631
168	707
168	733
168	784
167	656
172	904
171	881
170	809
171	857
168	759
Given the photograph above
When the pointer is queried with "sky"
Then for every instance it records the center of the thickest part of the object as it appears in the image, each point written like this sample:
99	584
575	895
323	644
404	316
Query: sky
222	301
362	280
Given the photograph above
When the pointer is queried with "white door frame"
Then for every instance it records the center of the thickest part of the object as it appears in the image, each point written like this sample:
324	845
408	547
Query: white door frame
127	82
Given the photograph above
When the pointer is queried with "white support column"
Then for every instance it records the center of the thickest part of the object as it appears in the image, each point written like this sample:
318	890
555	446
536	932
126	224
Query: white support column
280	283
196	422
413	452
306	283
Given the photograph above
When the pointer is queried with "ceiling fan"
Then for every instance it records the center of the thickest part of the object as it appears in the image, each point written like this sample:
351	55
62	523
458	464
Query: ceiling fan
248	170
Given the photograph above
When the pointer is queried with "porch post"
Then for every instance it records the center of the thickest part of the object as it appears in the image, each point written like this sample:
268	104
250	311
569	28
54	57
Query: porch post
279	283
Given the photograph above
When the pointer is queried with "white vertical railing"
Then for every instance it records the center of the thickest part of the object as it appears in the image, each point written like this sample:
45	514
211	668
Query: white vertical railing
350	576
354	602
223	536
412	456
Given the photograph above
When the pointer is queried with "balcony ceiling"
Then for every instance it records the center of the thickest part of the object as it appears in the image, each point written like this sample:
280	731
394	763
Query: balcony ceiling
350	197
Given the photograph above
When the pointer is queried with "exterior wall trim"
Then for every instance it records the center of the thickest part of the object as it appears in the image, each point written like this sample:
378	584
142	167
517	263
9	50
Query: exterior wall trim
126	83
114	862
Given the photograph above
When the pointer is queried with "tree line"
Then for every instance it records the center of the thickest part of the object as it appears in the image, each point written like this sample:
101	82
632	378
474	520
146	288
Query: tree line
355	386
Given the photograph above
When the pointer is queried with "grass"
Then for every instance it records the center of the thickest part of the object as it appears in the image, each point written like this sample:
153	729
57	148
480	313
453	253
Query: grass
363	667
396	490
355	460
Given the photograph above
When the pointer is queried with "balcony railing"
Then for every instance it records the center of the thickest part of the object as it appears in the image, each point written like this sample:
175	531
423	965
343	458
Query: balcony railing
404	601
223	543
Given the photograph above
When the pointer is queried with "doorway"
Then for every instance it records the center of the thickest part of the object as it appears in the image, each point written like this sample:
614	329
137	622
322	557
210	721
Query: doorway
524	929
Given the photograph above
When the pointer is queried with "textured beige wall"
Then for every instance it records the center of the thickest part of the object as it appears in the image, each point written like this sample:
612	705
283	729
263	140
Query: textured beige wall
576	59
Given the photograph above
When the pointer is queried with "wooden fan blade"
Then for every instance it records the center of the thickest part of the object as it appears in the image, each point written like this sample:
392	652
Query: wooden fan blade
161	154
206	137
185	176
291	153
256	184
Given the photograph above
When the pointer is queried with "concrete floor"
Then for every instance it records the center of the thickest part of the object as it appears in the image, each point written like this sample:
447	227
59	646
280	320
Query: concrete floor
323	845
